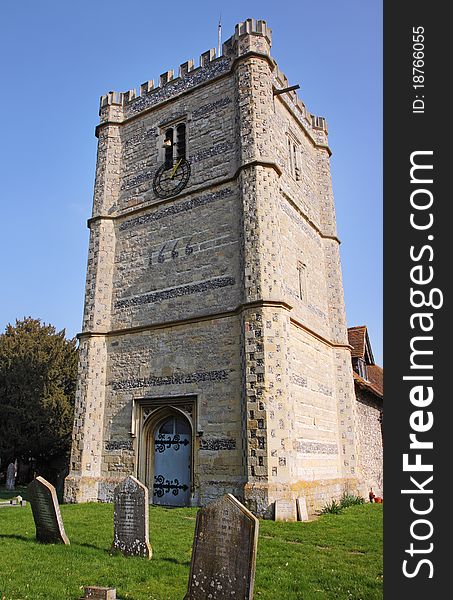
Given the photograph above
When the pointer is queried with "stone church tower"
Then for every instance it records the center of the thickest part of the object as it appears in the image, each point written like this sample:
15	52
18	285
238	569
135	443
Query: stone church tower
214	354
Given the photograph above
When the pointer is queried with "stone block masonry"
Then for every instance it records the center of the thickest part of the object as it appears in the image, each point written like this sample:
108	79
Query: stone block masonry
219	310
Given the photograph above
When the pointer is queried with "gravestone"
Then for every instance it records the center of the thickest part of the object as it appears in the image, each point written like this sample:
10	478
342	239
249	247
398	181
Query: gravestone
130	519
99	593
10	477
46	512
224	552
285	510
18	501
302	513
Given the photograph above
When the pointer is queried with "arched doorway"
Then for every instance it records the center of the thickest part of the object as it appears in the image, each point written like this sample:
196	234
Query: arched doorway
170	450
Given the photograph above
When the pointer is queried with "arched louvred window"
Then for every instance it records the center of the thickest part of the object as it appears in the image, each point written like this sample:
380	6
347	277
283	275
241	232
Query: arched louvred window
168	144
180	141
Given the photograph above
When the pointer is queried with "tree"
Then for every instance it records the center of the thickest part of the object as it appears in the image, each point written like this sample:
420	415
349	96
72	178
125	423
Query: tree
38	368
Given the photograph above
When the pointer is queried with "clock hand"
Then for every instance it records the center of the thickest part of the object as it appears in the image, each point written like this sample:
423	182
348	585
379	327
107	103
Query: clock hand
175	168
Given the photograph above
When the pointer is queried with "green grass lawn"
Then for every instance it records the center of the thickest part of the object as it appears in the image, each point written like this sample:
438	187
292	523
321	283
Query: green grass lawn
333	557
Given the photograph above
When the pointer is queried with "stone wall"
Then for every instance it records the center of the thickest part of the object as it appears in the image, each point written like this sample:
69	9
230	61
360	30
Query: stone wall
370	440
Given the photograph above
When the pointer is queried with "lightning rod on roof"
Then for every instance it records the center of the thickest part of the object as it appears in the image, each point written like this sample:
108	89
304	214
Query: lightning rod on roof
219	35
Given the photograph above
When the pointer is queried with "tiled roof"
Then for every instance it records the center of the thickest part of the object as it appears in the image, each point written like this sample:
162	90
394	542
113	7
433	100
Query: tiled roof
357	339
367	385
376	377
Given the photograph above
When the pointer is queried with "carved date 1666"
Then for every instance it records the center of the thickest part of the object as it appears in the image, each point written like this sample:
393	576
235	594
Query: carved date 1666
174	253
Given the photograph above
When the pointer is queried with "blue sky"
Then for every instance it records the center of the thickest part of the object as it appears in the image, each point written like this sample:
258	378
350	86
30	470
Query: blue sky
58	57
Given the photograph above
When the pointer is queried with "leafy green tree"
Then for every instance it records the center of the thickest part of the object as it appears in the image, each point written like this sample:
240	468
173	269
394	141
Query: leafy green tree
38	368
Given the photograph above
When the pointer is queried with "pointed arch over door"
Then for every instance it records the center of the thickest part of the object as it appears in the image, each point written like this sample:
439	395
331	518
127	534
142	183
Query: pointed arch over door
165	430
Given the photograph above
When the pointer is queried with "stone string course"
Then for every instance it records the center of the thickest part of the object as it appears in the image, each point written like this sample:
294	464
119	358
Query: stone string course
273	404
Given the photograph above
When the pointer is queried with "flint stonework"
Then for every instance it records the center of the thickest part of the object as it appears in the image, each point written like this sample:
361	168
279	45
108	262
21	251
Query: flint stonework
46	512
130	519
224	552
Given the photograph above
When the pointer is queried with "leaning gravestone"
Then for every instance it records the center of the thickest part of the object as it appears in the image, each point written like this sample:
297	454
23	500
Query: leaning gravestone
46	512
224	552
130	518
302	513
285	510
10	477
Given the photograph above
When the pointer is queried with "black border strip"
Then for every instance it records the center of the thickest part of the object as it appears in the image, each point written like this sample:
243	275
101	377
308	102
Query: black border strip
406	132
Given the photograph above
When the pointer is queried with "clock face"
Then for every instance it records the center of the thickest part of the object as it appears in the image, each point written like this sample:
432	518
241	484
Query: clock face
170	180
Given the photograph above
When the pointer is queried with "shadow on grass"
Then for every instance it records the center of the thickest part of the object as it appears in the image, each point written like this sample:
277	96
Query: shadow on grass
85	545
184	563
174	561
14	536
22	538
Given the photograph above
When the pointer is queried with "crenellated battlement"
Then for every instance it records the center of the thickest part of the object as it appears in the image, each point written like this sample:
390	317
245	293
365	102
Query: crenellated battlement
186	69
112	98
259	38
319	123
249	35
253	27
280	82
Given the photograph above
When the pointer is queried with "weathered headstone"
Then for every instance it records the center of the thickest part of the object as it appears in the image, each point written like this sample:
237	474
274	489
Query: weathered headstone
99	593
46	512
224	552
302	513
10	477
285	510
131	518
